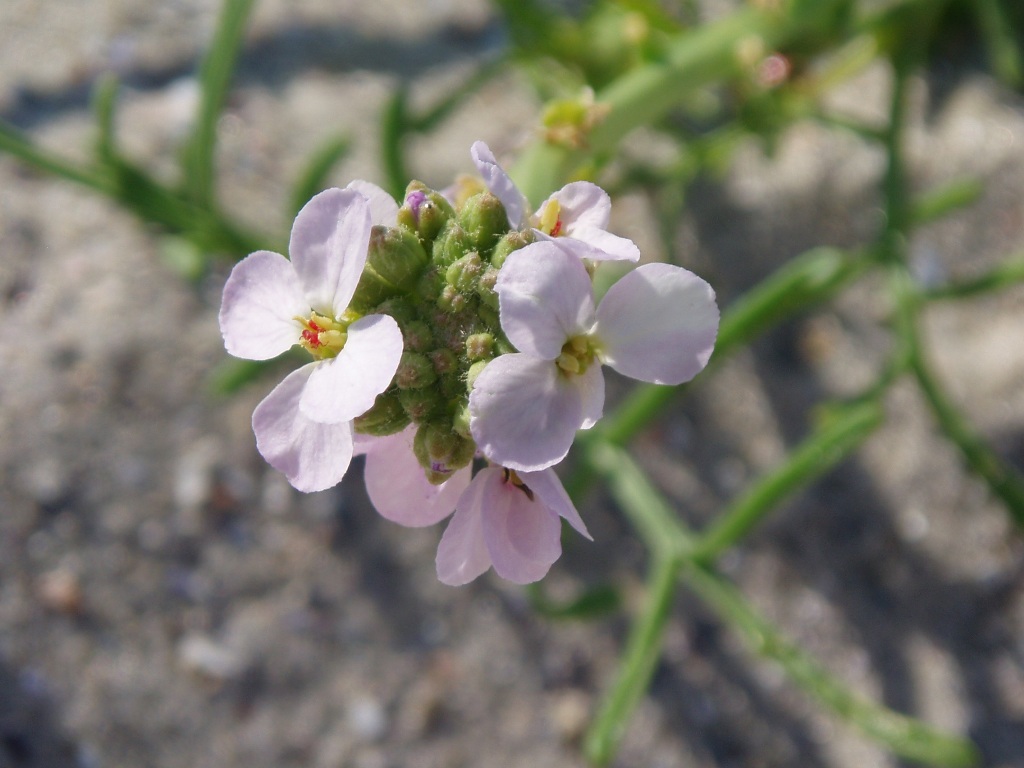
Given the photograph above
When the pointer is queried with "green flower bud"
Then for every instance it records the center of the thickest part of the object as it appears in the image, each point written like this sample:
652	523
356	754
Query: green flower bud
396	256
480	346
385	417
451	300
451	244
430	285
440	450
484	219
465	272
419	404
460	421
485	287
398	307
474	370
444	361
425	211
415	371
511	241
417	336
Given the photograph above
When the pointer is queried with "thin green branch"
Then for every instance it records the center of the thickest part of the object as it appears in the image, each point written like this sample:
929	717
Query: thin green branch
639	660
843	431
904	736
215	78
1007	275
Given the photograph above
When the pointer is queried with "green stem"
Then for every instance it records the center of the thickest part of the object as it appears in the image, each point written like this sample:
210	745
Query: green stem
1002	480
904	736
643	650
14	143
215	78
1007	275
844	431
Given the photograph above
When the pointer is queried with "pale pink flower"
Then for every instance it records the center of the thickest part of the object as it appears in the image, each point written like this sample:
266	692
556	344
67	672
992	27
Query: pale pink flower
507	520
270	304
575	217
658	323
397	485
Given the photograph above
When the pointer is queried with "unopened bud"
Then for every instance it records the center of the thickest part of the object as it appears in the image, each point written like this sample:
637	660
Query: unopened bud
451	300
444	361
485	287
419	404
480	346
460	421
425	211
464	273
430	284
417	336
474	370
415	371
484	219
396	256
385	417
451	244
511	241
440	450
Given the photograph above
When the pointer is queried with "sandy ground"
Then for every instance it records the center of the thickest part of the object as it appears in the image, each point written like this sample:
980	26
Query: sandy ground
167	600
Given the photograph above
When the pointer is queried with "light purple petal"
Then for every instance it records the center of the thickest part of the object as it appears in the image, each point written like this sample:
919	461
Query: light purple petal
591	386
658	324
262	297
500	184
603	246
329	243
522	535
346	386
462	554
383	208
312	456
581	204
399	489
549	489
524	413
545	298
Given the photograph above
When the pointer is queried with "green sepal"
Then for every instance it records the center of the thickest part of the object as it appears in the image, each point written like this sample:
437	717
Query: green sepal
385	417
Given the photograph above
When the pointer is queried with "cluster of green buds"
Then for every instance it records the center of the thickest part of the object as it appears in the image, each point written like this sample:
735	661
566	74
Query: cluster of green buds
434	273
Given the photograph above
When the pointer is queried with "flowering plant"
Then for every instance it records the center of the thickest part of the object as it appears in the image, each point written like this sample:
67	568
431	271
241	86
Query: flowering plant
443	333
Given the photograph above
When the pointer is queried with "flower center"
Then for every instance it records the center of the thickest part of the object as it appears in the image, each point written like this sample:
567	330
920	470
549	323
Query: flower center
577	354
517	482
322	336
549	219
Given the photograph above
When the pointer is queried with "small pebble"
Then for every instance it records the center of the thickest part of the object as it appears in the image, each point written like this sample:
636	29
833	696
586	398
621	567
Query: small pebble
206	657
61	591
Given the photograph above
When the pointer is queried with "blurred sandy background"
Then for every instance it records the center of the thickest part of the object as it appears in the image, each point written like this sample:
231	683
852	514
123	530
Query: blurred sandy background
167	600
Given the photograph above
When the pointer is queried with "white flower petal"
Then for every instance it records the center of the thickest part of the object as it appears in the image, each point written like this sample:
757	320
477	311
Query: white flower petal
591	386
346	386
312	456
549	489
658	324
383	208
524	413
581	203
462	554
600	245
522	535
329	244
398	487
500	184
262	298
545	298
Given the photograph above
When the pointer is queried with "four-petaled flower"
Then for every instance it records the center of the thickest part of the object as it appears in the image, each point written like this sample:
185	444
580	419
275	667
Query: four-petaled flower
502	518
509	520
303	427
575	217
658	323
